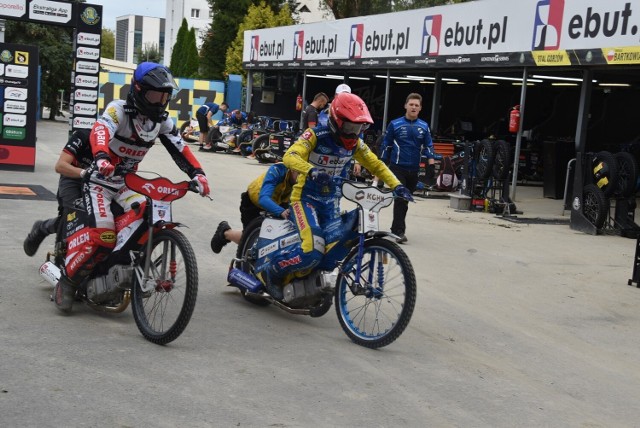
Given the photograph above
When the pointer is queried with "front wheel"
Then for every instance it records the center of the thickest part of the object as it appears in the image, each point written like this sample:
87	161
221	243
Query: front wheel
376	307
163	312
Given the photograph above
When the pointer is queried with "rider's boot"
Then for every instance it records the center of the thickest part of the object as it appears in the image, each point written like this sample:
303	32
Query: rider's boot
218	240
39	231
64	294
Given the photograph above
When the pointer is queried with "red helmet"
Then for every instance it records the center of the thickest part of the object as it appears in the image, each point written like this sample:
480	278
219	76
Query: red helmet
348	117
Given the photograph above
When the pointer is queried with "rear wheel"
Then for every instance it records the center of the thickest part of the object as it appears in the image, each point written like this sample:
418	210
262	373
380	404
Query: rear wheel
376	307
627	174
163	312
260	147
502	160
484	157
595	205
246	253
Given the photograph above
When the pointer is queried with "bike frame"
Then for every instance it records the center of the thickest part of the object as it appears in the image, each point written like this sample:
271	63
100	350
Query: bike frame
369	200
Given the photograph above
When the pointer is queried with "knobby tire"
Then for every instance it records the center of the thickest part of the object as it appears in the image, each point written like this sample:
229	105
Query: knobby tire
149	309
365	310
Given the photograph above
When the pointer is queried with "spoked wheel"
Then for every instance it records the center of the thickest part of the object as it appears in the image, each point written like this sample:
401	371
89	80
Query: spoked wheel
595	205
260	147
163	312
247	242
376	311
484	157
502	160
627	174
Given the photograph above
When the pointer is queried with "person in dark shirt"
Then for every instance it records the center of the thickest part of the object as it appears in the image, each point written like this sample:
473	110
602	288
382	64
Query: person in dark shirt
204	114
310	114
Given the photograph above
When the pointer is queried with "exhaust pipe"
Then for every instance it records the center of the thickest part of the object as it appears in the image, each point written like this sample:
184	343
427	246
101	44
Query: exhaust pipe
50	272
243	280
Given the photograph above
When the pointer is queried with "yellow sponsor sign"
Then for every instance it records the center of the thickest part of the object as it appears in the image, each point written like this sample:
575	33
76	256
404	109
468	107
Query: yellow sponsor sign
615	56
551	58
22	58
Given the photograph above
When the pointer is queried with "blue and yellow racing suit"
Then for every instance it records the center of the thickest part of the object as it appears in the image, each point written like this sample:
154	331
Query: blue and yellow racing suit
314	208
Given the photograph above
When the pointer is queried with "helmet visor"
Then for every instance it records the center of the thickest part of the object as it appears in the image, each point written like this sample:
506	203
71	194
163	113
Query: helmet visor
157	97
353	128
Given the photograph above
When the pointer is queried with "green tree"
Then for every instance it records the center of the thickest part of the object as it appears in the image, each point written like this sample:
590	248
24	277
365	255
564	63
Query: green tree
108	41
350	8
191	57
149	53
177	52
258	16
227	16
55	55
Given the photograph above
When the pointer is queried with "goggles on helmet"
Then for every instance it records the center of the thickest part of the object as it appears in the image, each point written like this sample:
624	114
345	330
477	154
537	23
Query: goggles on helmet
353	128
157	97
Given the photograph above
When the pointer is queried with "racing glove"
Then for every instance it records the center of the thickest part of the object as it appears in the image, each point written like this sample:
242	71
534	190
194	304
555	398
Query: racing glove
320	177
105	167
402	192
203	184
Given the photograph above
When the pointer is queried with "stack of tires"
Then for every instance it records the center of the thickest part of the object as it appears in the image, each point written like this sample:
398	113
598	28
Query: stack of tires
493	159
610	176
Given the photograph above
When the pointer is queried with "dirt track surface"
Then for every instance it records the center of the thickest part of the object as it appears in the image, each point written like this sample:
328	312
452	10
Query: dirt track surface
516	324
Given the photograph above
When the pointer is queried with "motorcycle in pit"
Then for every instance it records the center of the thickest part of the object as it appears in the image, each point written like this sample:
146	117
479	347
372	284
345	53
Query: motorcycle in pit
156	270
262	126
369	278
224	139
270	148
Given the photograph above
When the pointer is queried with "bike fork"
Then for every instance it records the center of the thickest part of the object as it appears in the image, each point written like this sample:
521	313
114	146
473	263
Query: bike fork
144	279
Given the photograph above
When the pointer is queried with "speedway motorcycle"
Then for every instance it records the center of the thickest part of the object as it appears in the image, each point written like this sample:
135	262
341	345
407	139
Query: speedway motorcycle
223	139
369	278
270	147
156	270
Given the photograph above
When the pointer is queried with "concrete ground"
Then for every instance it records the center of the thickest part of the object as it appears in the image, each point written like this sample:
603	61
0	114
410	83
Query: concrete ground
517	324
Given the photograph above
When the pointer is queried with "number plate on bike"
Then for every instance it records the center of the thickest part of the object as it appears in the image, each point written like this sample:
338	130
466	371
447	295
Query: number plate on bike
161	211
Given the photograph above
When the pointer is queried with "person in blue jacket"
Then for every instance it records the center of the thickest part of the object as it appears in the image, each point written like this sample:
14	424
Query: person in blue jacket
204	114
404	142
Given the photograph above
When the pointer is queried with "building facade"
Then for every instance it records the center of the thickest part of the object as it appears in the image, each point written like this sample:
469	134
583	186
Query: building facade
134	32
198	15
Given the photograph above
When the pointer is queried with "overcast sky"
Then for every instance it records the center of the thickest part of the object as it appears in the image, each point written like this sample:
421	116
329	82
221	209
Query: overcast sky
114	8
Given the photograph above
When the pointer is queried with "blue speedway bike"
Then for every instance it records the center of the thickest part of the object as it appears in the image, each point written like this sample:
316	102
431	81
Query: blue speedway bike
370	278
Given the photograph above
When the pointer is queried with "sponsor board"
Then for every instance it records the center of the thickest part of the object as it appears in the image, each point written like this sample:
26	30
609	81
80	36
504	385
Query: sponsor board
11	106
20	71
88	53
551	58
83	122
16	8
85	108
88	39
14	133
12	93
630	55
14	120
85	95
87	81
87	67
50	11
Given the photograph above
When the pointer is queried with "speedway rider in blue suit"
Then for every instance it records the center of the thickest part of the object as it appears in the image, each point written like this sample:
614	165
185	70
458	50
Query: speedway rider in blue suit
402	147
320	154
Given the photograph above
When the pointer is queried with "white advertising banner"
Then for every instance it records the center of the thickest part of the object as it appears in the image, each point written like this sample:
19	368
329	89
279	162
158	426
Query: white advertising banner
454	34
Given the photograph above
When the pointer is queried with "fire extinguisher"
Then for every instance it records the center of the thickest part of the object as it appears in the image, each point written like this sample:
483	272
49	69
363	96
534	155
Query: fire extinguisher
299	103
514	120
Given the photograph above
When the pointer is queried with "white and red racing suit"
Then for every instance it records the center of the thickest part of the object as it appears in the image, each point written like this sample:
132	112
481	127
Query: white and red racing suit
123	138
